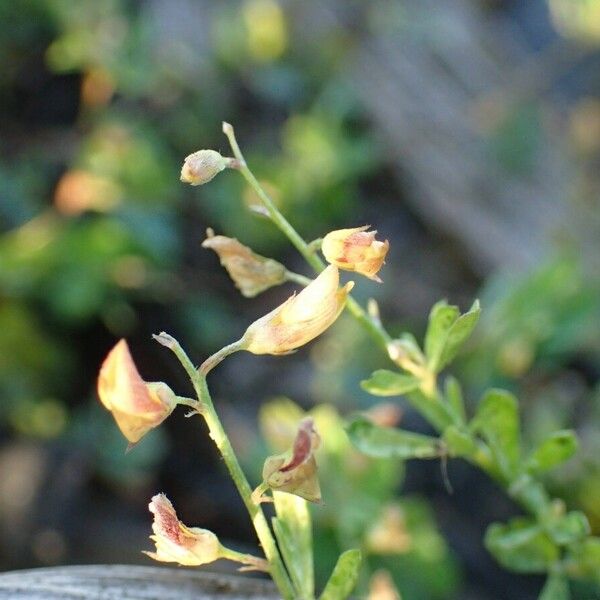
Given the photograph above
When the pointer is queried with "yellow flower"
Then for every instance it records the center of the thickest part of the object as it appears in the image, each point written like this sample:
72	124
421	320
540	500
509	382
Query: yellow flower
188	546
295	471
201	166
355	250
251	273
300	318
137	406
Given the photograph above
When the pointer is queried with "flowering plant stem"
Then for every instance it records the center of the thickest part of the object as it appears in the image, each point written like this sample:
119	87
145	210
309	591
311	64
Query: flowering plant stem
204	407
429	402
373	326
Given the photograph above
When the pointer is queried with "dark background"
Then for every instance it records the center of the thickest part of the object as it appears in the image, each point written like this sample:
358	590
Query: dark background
467	133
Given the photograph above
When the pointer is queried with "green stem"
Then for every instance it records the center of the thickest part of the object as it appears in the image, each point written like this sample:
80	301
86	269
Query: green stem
307	250
212	361
297	278
280	221
218	435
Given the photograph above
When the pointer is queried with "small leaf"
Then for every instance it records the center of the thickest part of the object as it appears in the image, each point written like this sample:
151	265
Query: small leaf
555	588
454	396
389	383
458	334
293	530
458	442
521	545
441	319
569	528
386	442
583	559
555	449
344	576
497	419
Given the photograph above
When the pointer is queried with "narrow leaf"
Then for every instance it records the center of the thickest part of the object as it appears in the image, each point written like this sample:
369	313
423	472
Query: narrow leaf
554	450
293	530
441	319
583	559
389	383
458	334
386	442
344	576
497	419
458	441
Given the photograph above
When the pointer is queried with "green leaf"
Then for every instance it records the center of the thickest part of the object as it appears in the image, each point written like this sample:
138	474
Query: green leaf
454	396
555	588
555	449
458	334
521	545
293	530
458	442
389	383
386	442
569	528
441	319
344	576
583	559
497	419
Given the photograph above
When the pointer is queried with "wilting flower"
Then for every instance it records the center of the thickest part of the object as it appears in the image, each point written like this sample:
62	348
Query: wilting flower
137	406
188	546
300	318
201	166
251	273
355	250
295	471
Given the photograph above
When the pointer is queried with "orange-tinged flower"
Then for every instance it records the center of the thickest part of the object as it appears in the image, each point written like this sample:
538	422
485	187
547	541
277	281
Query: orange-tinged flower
188	546
355	250
301	318
201	166
295	471
251	273
137	406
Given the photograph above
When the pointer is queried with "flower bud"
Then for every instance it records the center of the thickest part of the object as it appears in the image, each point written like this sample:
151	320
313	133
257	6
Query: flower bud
200	167
355	250
188	546
295	471
251	273
301	318
137	406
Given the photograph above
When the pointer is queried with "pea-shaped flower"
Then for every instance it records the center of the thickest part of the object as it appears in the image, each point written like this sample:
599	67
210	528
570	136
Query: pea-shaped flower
191	546
301	318
355	250
251	272
201	166
295	471
137	406
188	546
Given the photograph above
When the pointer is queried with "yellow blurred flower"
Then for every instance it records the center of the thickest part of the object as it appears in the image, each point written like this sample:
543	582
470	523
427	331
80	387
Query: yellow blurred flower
301	318
137	406
251	273
355	250
188	546
295	471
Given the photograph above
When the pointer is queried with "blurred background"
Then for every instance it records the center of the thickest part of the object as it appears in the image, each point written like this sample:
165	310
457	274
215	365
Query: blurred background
467	133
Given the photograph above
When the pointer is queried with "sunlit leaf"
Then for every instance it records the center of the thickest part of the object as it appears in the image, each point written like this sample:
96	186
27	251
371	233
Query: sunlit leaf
293	530
389	383
386	442
344	576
